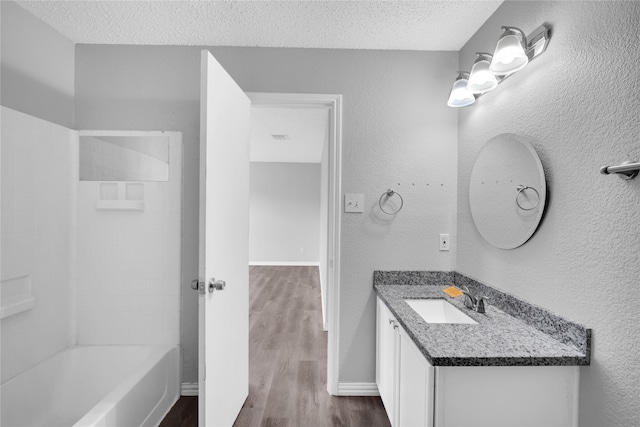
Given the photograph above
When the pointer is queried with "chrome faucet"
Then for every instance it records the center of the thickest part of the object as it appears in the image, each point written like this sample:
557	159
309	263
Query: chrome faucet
473	302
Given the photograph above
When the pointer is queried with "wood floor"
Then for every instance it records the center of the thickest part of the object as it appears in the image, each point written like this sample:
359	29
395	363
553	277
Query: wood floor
288	360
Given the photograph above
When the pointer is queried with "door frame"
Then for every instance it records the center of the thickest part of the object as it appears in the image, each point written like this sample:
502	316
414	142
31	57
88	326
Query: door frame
334	104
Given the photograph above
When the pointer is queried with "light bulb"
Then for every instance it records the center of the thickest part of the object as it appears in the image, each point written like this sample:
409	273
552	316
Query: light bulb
460	95
481	79
509	55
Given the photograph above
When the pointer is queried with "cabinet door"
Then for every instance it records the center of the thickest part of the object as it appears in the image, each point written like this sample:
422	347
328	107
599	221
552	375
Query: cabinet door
415	387
387	360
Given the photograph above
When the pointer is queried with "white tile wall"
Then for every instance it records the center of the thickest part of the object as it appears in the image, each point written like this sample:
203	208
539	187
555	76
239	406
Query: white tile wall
129	264
39	181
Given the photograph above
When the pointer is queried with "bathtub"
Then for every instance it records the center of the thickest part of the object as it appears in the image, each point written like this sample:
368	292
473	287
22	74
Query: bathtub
118	386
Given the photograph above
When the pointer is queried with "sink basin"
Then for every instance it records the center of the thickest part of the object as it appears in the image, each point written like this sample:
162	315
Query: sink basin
438	311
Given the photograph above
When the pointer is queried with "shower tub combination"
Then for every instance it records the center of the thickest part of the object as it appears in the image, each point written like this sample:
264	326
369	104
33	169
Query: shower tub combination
123	386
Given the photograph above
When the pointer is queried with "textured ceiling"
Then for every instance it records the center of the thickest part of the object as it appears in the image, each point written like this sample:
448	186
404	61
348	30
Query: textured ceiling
403	25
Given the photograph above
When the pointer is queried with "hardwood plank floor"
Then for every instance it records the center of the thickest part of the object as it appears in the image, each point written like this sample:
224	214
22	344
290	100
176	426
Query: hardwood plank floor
288	360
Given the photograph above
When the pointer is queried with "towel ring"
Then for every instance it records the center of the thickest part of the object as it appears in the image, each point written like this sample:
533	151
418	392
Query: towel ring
389	193
520	189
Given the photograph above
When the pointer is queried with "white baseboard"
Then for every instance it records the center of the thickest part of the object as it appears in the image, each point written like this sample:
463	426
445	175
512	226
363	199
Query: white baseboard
189	389
344	389
323	297
286	263
358	389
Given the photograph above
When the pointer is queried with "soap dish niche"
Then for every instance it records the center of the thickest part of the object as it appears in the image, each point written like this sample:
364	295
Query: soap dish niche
134	191
17	296
121	196
108	191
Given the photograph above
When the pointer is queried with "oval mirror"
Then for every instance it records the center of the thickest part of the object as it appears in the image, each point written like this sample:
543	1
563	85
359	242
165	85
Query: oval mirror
507	191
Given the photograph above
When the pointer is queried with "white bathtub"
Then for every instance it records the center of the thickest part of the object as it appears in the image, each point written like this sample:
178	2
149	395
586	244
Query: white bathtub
117	386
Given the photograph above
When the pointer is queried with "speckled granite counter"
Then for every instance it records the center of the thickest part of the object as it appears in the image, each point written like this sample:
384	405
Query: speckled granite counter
510	333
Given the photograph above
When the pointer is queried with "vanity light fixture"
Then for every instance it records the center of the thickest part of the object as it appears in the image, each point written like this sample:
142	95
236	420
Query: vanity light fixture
481	79
510	56
513	52
460	96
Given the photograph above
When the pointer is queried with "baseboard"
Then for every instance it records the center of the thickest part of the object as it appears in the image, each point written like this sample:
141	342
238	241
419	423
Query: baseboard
323	297
189	389
344	389
286	263
358	389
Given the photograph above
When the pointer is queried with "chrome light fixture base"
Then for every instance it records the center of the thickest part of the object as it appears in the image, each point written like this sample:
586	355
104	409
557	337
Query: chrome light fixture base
538	41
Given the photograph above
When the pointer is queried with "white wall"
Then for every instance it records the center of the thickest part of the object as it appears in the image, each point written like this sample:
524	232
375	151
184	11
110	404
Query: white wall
129	263
39	185
284	220
397	132
579	104
37	67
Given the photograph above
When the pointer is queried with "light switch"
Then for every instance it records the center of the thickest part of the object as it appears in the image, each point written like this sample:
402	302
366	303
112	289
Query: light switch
354	203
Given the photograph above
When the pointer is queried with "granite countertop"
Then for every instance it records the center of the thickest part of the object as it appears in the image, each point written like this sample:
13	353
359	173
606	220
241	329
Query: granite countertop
498	339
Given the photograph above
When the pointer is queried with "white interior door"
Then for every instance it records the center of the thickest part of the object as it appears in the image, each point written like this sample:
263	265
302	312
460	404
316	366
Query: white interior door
224	246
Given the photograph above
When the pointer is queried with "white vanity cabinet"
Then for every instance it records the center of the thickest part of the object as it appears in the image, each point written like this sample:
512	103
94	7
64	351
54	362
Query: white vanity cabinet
415	406
403	375
415	393
387	359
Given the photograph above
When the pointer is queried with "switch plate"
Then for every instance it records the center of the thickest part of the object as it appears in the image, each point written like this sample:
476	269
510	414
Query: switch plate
444	242
354	203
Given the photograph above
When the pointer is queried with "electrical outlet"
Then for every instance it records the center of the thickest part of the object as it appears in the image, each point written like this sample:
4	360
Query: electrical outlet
444	242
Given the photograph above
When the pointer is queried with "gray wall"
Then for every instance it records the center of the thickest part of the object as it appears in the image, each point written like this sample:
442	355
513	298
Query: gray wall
397	133
579	105
37	67
285	213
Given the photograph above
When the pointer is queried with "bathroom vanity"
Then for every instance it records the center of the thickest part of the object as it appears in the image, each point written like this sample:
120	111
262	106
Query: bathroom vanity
516	365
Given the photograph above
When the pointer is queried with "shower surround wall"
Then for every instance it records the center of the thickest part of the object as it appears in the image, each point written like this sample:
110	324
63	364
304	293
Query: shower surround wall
98	277
39	182
129	264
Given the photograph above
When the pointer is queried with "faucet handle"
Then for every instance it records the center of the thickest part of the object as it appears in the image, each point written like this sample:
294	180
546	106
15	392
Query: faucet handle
480	304
470	300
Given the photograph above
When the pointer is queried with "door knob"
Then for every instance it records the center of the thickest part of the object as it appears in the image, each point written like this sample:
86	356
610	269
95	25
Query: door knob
216	285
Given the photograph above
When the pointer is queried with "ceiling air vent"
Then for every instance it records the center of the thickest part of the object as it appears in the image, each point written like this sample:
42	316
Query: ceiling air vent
280	137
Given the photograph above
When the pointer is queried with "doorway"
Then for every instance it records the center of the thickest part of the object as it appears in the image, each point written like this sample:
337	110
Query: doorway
328	246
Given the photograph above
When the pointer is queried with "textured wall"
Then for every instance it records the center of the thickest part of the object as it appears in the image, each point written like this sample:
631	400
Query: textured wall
285	213
37	67
397	132
579	105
